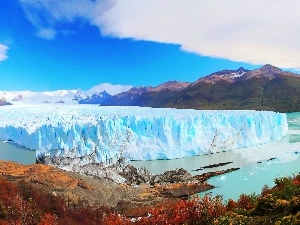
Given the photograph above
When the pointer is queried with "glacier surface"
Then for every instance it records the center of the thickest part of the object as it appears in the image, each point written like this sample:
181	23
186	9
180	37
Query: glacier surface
108	133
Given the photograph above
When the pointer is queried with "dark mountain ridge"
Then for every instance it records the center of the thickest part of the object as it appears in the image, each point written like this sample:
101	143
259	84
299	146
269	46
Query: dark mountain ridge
147	96
95	98
265	88
225	75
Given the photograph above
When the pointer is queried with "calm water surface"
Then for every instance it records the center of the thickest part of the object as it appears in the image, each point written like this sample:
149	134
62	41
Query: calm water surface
11	152
259	165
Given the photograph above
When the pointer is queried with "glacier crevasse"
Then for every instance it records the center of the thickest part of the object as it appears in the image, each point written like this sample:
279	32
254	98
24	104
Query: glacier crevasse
136	133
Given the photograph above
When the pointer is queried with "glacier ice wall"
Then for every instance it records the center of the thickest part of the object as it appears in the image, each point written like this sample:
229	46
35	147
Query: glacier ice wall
134	132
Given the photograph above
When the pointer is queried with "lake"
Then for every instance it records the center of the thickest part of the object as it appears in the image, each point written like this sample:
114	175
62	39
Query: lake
12	152
259	165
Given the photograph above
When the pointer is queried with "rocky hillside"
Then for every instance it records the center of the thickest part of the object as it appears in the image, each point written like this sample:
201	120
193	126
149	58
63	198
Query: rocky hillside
266	88
39	194
140	188
224	75
146	96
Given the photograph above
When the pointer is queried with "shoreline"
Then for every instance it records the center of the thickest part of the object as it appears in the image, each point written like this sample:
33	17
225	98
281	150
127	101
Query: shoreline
130	200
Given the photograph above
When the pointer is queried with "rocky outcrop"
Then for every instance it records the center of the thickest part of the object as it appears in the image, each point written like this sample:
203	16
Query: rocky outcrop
136	176
4	102
174	176
132	200
185	189
205	176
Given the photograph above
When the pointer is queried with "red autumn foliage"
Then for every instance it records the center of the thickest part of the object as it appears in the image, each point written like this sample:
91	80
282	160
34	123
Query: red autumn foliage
114	219
26	204
49	219
199	210
231	204
245	202
296	180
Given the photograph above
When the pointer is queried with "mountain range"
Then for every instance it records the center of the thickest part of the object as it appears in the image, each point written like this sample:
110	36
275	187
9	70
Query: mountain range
266	88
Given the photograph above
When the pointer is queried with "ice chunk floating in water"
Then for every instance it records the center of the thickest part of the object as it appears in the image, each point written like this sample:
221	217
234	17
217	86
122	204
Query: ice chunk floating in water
136	133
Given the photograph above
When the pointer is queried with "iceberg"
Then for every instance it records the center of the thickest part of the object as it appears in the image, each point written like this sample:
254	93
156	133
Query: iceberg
135	133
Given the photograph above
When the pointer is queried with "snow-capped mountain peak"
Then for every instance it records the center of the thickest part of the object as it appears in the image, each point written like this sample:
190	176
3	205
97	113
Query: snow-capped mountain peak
96	94
80	94
51	97
96	98
59	93
225	75
30	97
7	95
238	73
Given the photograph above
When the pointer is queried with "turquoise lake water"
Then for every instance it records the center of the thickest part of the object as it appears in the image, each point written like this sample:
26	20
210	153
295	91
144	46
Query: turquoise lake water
11	152
258	165
256	170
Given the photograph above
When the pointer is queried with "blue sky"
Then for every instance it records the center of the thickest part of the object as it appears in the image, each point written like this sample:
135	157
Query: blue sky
51	45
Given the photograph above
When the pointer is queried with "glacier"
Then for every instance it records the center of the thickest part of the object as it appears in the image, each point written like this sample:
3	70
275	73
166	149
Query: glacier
135	133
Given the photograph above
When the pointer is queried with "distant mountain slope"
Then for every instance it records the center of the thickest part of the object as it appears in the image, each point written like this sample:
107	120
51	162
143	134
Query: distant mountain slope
80	95
30	97
224	75
147	96
267	88
53	97
95	95
3	102
96	98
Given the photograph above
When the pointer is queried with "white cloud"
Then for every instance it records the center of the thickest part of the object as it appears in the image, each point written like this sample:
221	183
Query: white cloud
46	33
256	31
3	52
46	14
109	88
